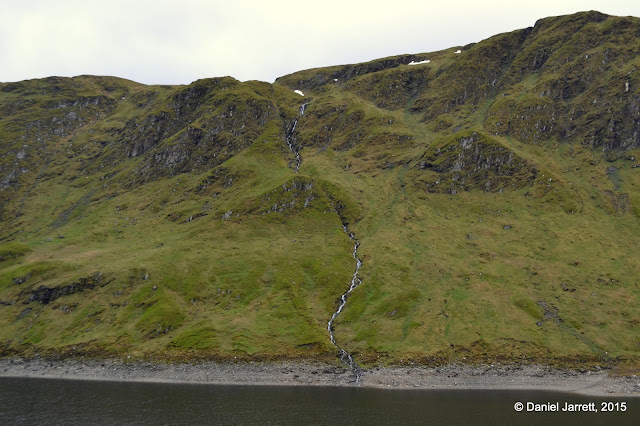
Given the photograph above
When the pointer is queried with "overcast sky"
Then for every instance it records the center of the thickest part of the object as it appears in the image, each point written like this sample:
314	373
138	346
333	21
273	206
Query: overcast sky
178	41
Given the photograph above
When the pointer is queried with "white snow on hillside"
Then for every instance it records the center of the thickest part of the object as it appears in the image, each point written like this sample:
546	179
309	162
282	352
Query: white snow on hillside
298	92
418	63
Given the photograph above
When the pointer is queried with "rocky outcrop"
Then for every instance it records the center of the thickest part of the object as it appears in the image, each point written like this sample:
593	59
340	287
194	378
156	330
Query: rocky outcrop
46	295
473	161
141	135
291	197
205	127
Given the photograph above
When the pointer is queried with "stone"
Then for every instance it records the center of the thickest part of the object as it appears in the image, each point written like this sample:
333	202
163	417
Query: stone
24	313
21	280
46	295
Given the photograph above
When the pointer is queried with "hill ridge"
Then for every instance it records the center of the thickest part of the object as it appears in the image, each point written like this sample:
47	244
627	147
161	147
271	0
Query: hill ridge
493	190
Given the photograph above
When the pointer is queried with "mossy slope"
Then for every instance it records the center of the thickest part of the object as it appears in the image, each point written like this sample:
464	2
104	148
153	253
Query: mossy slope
494	191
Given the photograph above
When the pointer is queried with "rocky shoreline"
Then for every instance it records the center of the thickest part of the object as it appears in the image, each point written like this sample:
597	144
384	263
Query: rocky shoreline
289	373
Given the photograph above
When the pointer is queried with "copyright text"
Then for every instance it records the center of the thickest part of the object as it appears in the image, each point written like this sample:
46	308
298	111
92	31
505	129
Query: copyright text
594	407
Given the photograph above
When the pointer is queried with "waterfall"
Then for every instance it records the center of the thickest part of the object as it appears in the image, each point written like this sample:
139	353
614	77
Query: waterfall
355	282
289	138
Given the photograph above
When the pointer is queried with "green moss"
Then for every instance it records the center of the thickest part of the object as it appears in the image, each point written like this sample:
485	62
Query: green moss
528	306
197	337
13	251
161	314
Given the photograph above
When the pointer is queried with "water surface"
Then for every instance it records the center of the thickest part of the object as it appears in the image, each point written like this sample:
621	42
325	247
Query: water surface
53	401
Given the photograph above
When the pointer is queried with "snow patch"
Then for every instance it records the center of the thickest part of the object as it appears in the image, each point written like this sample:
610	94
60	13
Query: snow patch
458	51
335	79
418	63
298	92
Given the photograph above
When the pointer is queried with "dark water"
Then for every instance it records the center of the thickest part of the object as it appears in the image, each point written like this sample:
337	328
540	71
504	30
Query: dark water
50	401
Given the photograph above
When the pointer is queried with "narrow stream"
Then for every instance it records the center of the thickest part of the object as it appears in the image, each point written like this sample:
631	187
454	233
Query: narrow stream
355	282
295	149
345	356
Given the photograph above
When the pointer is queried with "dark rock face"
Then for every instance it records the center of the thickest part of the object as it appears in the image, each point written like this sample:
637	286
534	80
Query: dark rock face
144	135
205	127
474	161
46	295
292	197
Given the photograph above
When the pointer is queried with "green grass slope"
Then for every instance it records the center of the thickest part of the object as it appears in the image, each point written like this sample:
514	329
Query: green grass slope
495	194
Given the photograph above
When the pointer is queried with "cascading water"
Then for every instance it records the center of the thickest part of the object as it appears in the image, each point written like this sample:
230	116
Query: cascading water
295	150
355	282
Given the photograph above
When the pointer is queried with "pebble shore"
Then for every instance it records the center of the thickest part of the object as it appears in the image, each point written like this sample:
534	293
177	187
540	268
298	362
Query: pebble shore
503	377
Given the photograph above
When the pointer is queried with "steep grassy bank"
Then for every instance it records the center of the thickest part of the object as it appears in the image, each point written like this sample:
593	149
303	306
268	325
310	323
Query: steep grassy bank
495	193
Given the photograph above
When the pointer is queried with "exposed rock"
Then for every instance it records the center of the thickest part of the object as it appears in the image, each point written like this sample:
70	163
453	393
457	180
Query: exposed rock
46	295
195	216
550	311
22	279
25	312
294	195
474	161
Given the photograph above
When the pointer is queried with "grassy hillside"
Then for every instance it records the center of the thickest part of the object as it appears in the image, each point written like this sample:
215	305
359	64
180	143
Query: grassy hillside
495	193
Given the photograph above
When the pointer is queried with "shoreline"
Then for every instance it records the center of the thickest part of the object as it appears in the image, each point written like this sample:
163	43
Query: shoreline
299	373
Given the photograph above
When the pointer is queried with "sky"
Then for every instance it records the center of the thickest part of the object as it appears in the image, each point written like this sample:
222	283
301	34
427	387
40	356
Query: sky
177	42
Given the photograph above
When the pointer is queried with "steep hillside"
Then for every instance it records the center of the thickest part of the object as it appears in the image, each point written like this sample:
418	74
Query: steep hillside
491	191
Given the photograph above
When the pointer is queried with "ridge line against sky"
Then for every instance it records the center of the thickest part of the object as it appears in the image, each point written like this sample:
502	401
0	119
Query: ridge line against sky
161	42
